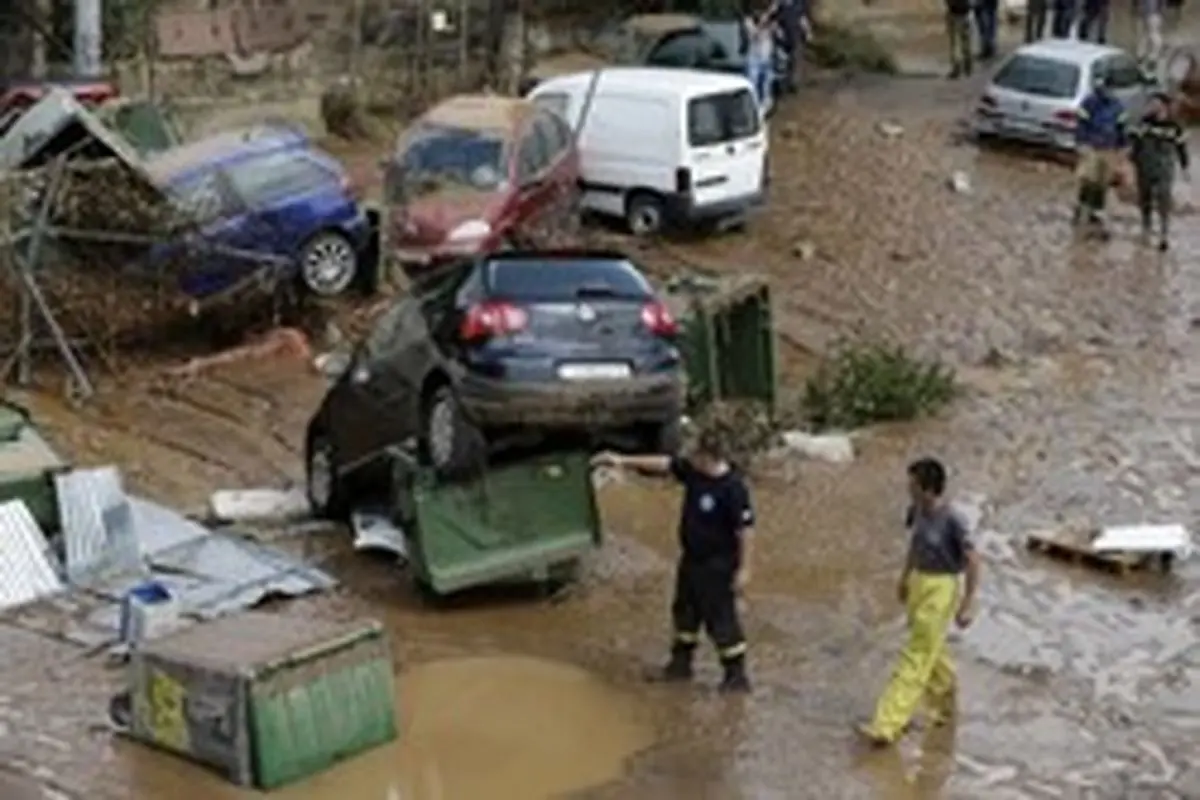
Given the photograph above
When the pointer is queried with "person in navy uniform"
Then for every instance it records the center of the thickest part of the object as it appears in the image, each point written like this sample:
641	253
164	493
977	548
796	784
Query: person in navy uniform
715	534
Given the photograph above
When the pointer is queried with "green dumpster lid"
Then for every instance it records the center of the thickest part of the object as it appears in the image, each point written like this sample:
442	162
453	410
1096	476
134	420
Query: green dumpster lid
13	420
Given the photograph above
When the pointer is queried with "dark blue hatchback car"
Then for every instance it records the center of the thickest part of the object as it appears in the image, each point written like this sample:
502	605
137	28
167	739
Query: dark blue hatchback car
501	349
267	191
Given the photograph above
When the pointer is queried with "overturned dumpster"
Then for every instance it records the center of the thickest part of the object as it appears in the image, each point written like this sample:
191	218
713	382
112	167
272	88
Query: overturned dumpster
532	519
727	339
263	700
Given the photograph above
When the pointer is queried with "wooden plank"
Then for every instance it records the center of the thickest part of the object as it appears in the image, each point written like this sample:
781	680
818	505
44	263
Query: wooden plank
1074	546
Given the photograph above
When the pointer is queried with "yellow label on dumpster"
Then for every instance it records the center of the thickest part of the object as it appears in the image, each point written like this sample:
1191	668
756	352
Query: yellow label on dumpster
167	712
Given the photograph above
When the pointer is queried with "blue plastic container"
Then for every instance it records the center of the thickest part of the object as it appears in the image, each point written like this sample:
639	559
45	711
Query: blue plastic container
139	603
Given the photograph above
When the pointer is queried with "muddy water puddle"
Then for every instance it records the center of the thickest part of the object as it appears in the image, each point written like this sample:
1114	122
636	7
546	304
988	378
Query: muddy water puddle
496	727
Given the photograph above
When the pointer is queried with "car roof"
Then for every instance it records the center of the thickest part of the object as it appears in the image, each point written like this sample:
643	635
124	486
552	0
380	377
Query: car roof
1072	50
479	112
222	148
668	80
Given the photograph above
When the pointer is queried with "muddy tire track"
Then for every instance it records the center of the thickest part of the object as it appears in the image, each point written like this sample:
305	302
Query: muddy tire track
241	427
148	422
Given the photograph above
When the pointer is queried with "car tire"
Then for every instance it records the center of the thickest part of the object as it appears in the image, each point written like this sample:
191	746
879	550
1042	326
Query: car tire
328	265
325	490
645	214
665	437
456	447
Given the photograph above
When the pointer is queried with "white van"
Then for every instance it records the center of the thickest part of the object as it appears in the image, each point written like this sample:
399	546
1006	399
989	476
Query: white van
663	147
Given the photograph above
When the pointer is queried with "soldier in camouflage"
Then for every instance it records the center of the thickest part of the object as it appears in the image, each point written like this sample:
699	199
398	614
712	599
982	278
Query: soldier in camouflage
1157	143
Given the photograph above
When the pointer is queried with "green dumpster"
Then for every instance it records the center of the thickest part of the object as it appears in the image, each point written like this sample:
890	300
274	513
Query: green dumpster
264	700
727	339
28	466
530	520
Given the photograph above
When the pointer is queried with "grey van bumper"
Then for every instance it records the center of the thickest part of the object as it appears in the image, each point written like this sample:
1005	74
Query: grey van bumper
682	210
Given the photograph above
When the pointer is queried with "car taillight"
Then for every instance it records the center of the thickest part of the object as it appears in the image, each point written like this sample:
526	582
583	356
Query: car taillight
485	320
683	180
1067	116
658	319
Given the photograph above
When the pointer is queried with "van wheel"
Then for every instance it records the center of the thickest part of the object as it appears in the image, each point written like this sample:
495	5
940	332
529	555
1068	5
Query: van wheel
456	447
644	214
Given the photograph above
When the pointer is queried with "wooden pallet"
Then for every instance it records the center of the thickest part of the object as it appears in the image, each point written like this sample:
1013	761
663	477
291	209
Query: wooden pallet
1074	546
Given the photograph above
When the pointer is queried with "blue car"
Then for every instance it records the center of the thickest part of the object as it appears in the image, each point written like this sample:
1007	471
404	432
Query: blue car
262	191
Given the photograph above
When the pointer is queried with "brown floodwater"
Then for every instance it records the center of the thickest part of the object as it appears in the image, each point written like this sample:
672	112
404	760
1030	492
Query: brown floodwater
503	727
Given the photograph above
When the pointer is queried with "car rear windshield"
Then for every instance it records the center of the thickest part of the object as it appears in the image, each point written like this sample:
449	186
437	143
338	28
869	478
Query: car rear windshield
1039	76
557	280
437	157
720	118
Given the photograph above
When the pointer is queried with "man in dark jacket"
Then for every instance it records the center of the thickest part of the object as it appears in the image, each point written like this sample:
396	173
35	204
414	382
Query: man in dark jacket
1035	19
987	13
1099	138
958	31
1064	19
1093	26
716	529
1157	143
794	27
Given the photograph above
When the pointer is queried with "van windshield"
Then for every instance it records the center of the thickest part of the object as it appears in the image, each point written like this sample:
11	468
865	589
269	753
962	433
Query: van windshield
721	118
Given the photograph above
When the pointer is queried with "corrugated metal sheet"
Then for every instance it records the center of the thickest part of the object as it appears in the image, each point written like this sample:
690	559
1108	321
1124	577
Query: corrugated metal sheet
237	573
97	524
26	570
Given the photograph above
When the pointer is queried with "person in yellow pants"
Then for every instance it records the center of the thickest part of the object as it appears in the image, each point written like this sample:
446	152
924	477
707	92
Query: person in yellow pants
940	558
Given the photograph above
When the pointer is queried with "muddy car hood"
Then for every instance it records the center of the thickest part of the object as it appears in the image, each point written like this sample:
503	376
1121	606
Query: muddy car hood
431	216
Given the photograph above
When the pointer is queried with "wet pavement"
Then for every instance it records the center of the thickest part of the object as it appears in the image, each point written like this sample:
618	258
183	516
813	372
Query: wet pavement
1082	404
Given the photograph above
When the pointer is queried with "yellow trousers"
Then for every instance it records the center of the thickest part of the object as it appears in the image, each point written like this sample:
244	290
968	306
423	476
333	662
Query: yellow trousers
924	670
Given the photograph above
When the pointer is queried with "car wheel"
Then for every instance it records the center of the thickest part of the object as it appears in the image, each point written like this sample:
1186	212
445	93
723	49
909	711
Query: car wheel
644	214
456	447
328	264
665	437
324	488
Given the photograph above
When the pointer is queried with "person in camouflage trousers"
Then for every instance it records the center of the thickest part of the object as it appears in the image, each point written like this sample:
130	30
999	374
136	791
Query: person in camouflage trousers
1157	142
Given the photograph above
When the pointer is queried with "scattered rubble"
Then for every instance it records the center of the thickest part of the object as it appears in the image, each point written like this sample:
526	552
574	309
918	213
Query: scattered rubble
890	130
833	447
960	183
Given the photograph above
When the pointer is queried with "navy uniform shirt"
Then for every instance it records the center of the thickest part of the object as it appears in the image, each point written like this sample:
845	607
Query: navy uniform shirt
940	541
715	511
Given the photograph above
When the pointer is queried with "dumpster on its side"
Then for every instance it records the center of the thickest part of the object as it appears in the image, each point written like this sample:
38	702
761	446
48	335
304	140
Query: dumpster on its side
727	339
262	699
533	519
28	466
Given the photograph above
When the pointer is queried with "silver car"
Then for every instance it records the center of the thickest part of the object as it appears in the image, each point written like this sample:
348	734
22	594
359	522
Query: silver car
1036	93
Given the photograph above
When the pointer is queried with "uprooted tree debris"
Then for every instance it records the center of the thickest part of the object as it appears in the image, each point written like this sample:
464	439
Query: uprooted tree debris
92	256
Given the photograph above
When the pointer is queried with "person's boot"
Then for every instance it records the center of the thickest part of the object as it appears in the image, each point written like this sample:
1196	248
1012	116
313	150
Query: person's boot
678	668
735	679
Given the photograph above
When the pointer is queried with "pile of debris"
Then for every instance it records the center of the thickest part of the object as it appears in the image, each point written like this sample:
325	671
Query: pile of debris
76	548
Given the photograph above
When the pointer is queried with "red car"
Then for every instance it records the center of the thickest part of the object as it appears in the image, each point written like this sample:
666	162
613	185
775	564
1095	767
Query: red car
479	173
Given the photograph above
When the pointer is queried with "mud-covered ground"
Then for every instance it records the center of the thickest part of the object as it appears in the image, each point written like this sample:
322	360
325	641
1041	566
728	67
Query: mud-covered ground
1073	685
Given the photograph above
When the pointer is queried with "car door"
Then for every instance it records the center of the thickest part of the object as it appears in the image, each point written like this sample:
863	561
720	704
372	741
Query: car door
288	197
535	192
562	171
207	201
375	404
1128	82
